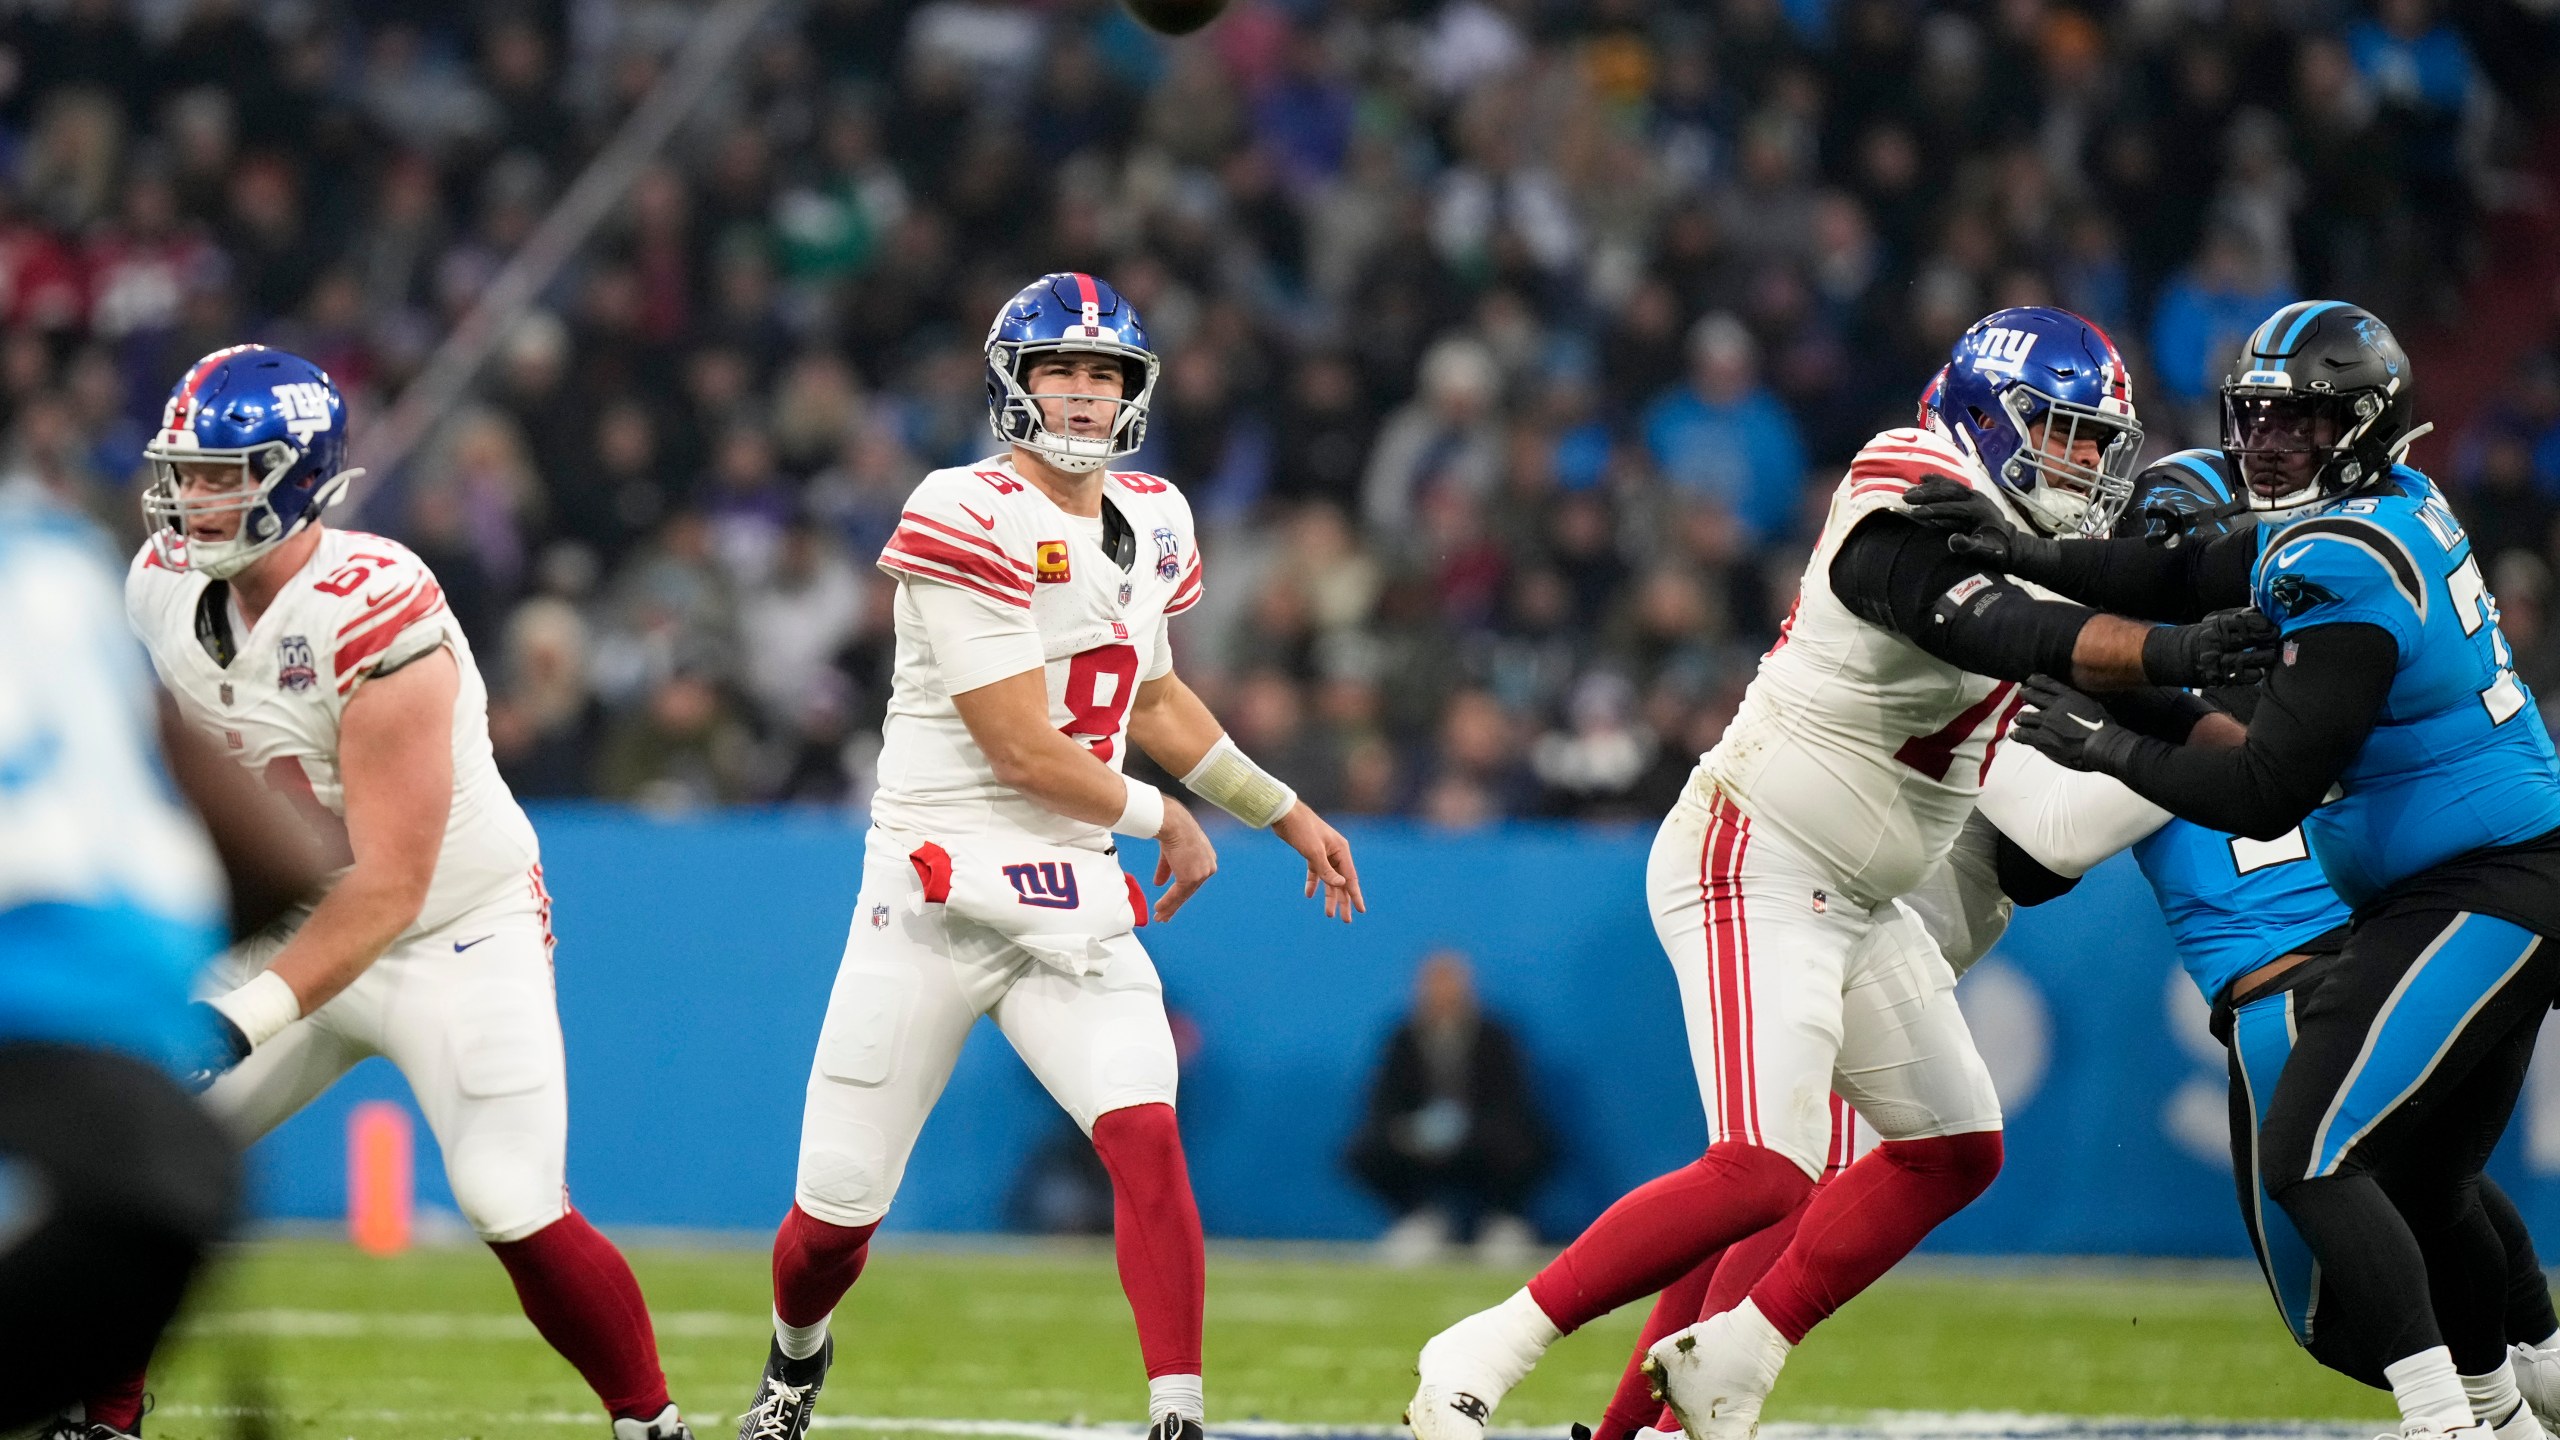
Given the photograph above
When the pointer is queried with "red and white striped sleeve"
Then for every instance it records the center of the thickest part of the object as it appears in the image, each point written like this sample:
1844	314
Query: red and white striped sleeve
1899	459
941	536
1186	591
390	611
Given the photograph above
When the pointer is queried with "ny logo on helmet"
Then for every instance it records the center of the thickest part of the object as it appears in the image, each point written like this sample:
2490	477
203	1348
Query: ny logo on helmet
2004	351
304	404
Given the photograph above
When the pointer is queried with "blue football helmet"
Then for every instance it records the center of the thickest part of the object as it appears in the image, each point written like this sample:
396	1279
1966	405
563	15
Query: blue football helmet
2024	391
280	420
1069	312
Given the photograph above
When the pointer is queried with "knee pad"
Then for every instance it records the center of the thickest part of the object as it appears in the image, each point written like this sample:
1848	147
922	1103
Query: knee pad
1762	1178
847	1180
1970	1161
506	1192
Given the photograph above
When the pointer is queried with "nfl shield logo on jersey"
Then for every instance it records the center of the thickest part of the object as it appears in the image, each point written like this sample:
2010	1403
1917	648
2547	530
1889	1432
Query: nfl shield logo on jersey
293	664
879	917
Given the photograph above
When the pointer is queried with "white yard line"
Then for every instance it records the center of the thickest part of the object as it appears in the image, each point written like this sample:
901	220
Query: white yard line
1881	1425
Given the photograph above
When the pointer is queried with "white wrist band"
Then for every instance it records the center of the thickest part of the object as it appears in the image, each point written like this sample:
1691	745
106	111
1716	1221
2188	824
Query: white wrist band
1143	814
1228	779
260	1008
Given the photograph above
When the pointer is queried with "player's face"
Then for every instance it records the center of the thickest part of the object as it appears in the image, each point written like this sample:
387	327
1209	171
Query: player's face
210	497
1076	393
2281	445
2073	445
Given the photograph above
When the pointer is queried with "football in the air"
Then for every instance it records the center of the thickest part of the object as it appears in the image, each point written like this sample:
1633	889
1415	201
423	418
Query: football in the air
1175	17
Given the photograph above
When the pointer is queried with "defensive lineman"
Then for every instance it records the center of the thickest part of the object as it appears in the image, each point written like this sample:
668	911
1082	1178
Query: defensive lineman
326	662
1854	759
2398	736
1033	649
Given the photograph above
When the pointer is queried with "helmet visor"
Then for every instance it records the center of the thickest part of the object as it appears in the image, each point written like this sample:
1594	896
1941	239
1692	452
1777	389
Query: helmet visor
2283	442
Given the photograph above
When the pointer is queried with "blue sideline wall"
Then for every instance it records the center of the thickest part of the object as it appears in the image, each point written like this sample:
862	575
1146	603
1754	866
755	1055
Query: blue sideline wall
695	957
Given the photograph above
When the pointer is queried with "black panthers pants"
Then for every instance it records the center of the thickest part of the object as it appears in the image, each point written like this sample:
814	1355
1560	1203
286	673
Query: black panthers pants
114	1183
2407	1058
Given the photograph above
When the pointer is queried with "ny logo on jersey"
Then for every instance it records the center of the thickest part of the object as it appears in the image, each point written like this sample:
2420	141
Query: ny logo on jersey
294	670
2004	351
1049	885
304	404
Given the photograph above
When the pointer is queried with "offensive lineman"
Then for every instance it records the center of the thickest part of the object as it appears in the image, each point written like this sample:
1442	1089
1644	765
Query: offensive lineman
1034	594
325	662
1842	781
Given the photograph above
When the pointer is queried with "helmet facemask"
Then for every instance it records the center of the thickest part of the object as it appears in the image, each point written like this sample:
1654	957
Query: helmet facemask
1020	417
2061	495
2262	425
173	514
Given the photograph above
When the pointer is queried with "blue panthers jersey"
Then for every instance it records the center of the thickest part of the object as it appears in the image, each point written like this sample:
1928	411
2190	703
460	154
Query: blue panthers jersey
2458	758
2233	903
110	897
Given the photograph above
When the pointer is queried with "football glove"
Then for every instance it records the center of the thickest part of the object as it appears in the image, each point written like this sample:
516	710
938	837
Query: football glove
219	1047
2227	647
2071	729
1980	531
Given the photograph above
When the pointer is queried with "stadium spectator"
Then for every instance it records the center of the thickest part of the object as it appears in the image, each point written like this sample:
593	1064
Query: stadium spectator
1453	1140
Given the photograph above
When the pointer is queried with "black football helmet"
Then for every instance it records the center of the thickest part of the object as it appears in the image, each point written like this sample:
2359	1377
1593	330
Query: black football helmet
2187	498
2325	381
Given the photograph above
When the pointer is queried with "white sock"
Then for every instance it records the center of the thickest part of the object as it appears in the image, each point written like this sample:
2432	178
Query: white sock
2428	1389
1490	1351
1181	1395
799	1342
2494	1396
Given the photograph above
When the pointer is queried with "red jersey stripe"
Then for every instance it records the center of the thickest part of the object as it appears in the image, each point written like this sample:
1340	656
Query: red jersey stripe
903	566
384	606
922	546
426	600
947	531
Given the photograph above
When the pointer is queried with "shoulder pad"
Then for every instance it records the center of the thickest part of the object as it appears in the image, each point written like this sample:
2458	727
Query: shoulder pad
2340	560
968	527
378	592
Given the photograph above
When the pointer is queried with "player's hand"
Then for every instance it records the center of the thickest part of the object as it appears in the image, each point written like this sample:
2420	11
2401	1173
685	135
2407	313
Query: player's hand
2227	647
1328	858
2071	729
1183	856
1979	530
217	1049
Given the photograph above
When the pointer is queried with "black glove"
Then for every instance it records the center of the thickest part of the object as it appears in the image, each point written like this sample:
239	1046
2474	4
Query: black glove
2227	647
1981	532
219	1048
2071	729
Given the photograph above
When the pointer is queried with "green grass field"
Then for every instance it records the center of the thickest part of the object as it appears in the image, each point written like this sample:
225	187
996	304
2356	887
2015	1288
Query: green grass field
430	1345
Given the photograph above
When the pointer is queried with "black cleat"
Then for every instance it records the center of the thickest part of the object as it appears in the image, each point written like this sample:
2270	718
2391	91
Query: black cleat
787	1397
1170	1426
71	1427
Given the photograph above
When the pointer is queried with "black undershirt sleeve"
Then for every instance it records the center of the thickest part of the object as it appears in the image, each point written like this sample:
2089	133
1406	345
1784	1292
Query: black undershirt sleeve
2313	715
2024	878
1895	572
2180	584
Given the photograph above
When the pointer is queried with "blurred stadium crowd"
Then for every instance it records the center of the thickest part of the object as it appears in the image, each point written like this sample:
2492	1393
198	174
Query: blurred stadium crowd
1511	346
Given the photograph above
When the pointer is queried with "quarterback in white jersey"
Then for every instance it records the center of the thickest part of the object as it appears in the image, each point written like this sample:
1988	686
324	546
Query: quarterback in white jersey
1775	885
1034	593
325	662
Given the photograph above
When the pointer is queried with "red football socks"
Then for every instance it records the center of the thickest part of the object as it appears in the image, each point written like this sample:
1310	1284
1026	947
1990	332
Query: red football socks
578	1291
814	1263
1665	1227
120	1406
1156	1232
1868	1218
1634	1407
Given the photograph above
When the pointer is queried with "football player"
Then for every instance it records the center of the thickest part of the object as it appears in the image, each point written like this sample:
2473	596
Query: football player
1842	781
1035	591
2398	737
325	662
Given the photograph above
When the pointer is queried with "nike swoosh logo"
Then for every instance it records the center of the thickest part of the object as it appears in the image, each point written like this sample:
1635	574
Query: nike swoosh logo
981	519
2292	553
2085	723
461	945
372	600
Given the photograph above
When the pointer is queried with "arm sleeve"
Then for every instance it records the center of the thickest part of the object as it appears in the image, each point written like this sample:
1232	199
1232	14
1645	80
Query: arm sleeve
2179	584
2312	718
2065	820
976	639
1897	573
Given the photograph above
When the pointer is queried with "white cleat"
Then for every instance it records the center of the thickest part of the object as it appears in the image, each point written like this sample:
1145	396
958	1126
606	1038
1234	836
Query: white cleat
2522	1425
1715	1375
2538	1376
1468	1368
2421	1430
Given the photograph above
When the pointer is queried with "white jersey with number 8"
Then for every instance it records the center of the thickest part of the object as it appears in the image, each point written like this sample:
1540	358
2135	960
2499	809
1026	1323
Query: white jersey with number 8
1041	591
